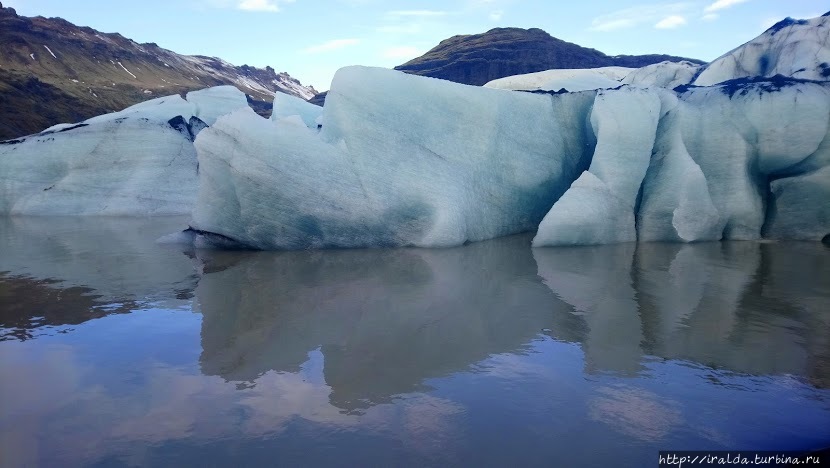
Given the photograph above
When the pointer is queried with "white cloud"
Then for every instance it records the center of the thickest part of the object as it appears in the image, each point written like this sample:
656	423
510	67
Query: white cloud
638	15
722	4
709	17
670	22
402	52
415	13
259	5
328	46
270	6
496	15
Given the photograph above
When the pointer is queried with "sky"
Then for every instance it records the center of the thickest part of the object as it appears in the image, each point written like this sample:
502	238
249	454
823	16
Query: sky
312	39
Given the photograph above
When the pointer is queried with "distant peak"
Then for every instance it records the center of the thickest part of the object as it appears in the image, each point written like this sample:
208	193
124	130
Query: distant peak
7	10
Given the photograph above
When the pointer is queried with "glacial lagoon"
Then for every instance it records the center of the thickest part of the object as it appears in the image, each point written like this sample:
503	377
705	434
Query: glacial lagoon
116	350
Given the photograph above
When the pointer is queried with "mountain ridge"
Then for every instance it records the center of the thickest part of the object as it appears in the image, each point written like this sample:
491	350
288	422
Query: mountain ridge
53	71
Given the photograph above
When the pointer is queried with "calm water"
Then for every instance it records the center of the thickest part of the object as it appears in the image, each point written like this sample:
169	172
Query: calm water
117	351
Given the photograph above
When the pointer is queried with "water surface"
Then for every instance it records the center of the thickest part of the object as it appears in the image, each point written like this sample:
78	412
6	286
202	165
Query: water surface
118	351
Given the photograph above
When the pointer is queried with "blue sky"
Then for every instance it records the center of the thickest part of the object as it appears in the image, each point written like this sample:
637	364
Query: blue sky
312	39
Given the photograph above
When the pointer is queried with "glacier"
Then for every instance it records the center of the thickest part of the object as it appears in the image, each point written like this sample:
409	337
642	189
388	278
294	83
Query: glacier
403	160
670	152
136	162
461	164
793	48
568	79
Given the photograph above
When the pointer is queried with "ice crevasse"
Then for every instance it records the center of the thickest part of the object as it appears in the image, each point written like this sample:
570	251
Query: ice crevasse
402	160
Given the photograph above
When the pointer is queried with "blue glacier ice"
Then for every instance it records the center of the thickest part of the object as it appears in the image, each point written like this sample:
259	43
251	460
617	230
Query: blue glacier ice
403	160
400	160
286	106
668	152
136	162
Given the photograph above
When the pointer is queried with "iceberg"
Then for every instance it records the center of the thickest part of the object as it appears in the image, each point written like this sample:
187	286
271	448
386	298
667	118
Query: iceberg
403	160
136	162
398	160
599	207
286	106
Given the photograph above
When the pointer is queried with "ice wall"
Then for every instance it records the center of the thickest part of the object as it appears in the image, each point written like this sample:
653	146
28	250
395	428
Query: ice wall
411	161
400	160
136	162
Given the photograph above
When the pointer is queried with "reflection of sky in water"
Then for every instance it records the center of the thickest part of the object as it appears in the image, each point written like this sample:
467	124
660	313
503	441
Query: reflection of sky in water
490	354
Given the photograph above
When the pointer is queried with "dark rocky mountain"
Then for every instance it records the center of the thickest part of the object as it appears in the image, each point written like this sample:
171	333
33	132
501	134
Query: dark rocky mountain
479	58
319	99
52	71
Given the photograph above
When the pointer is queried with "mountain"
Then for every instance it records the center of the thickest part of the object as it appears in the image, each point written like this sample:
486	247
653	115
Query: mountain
478	58
52	71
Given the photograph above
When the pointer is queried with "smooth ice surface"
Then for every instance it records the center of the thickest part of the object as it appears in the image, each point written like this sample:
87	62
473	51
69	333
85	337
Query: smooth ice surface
743	140
569	79
286	105
442	164
724	161
136	162
676	204
210	103
400	160
792	48
134	166
599	207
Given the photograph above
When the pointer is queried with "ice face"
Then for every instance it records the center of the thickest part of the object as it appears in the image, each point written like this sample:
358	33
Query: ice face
405	160
116	167
745	139
210	103
599	206
136	162
676	204
391	166
286	105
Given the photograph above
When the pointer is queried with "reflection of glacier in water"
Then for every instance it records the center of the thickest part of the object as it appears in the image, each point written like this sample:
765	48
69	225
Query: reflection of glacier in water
757	308
385	319
414	314
490	354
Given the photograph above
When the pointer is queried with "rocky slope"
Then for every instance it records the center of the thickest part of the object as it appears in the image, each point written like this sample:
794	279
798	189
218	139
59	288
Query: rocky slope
52	71
479	58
